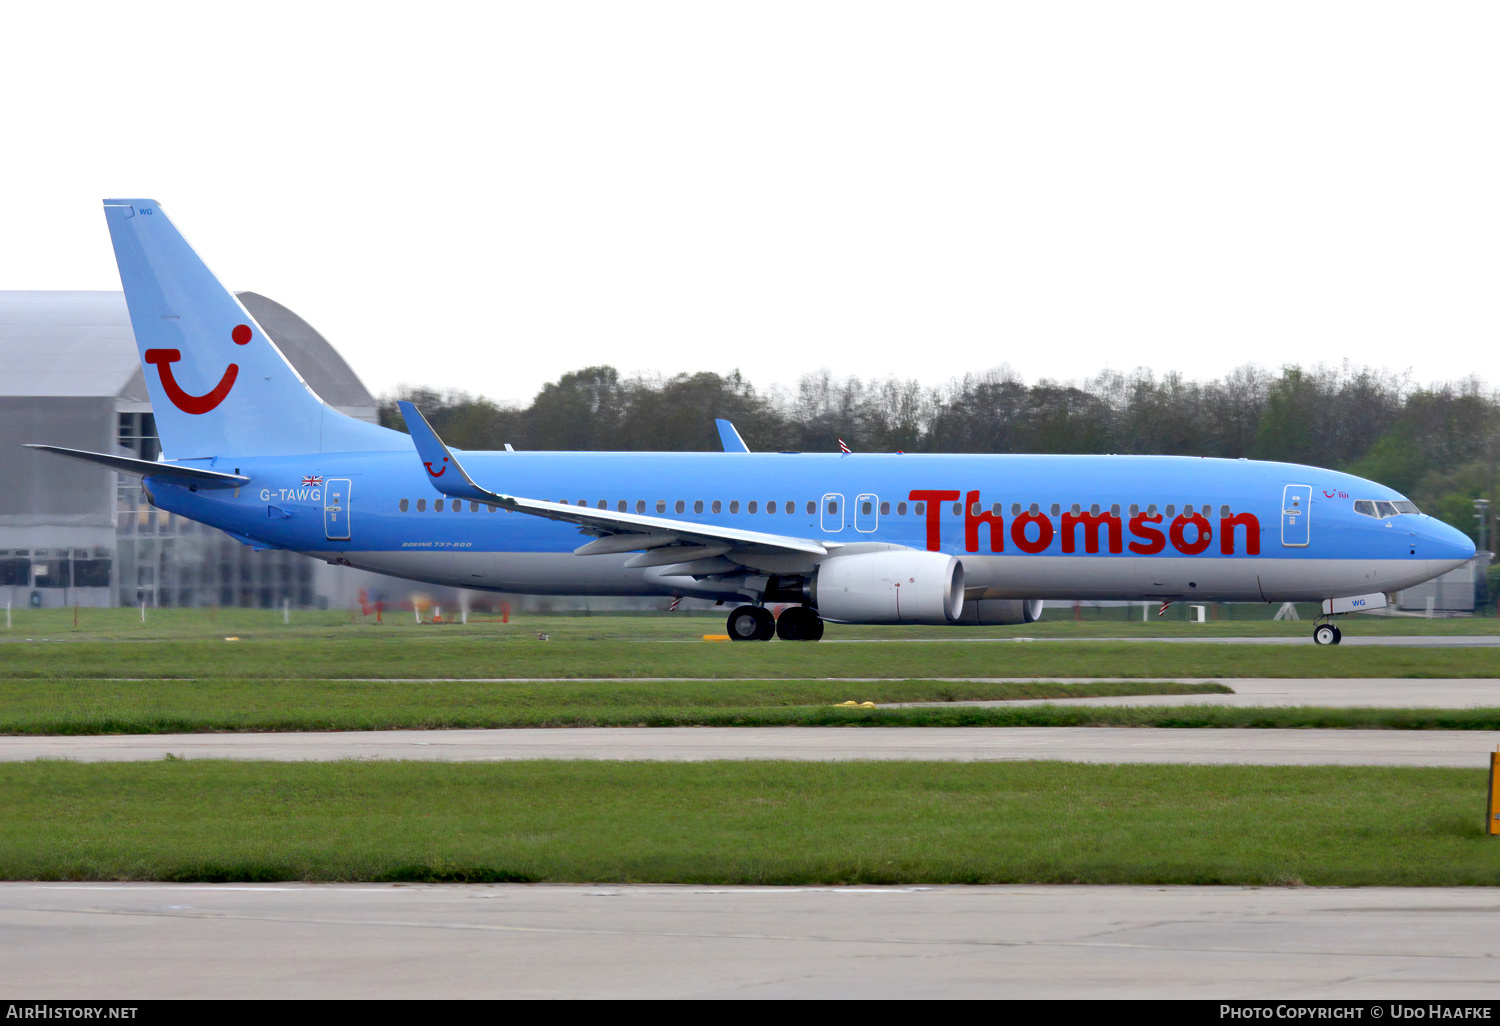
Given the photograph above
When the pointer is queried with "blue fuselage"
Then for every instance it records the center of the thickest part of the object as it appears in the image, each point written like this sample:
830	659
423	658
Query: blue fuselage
1086	527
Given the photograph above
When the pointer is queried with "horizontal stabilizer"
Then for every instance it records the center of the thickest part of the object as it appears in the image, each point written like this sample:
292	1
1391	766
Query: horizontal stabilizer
146	468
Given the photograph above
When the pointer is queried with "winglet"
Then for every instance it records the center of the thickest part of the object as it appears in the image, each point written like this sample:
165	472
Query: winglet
444	472
730	438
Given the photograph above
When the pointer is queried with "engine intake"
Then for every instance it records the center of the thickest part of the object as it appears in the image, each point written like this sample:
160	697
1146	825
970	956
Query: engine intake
890	587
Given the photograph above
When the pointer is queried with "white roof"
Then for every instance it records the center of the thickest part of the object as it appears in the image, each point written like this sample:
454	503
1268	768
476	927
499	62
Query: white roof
66	343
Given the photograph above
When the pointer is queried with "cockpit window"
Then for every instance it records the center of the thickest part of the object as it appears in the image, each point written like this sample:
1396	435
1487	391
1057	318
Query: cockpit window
1380	509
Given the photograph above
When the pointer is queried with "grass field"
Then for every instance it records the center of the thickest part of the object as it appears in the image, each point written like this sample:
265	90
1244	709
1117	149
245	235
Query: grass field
160	707
115	624
141	707
745	823
451	655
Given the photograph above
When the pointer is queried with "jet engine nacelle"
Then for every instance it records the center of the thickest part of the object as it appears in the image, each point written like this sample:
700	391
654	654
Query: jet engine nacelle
892	586
1000	612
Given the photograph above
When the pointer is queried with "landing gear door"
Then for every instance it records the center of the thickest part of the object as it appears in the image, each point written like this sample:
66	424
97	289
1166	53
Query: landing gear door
336	508
833	512
1296	505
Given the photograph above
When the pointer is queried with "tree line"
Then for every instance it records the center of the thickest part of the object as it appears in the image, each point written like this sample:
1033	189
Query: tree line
1438	444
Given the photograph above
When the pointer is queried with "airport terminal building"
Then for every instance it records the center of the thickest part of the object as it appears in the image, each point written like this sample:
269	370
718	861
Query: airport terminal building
70	375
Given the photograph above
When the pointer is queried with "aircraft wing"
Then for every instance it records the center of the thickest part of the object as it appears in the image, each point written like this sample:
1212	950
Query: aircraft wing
621	532
147	468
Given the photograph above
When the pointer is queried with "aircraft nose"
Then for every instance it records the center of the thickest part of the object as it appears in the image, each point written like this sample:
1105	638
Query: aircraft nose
1444	542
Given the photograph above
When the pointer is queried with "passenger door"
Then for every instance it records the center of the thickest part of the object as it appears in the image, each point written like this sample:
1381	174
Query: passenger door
1296	505
336	508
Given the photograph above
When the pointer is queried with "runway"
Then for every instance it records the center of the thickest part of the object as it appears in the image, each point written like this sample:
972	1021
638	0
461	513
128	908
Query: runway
1455	748
1351	692
1350	638
132	941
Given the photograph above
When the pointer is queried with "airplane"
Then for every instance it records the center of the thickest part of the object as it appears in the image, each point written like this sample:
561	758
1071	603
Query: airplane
853	538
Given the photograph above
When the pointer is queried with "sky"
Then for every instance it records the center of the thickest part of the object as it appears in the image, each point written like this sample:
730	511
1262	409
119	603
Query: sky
486	196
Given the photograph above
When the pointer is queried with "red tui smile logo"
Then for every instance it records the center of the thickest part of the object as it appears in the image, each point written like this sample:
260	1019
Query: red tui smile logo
186	401
436	473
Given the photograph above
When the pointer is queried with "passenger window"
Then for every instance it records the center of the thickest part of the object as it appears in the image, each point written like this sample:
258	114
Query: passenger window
661	505
885	509
698	506
751	507
791	507
900	509
490	508
1056	509
1036	508
1224	511
681	506
1015	509
405	505
620	506
640	505
866	508
1094	510
583	502
1187	510
421	505
1151	510
974	510
473	507
1077	509
833	507
1115	510
715	507
919	508
771	506
437	505
734	505
1171	510
458	505
1134	509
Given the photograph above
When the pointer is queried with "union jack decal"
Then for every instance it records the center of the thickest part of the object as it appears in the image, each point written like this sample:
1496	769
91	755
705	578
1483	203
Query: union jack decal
312	480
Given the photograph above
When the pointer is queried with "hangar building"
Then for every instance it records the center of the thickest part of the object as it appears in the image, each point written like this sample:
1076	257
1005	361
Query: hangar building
70	375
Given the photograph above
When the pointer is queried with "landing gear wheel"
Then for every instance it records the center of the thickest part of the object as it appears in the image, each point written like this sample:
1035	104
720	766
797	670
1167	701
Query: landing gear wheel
1338	635
751	623
799	624
1326	634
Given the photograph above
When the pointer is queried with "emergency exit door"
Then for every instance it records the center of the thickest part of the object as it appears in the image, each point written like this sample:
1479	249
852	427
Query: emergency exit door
1296	504
336	508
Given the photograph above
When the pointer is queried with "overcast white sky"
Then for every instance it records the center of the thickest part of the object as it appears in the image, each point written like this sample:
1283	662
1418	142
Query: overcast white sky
485	196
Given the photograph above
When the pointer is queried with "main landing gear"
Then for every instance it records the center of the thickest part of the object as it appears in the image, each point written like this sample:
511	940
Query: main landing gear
1327	634
755	623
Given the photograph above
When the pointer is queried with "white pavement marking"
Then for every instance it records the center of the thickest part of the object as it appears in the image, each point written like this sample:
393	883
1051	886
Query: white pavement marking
126	942
1459	748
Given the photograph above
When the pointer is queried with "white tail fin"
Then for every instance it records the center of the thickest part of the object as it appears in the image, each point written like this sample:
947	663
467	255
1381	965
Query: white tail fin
218	384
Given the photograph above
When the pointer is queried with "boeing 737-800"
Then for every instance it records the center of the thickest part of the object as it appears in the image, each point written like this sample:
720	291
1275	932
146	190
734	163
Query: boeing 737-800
853	538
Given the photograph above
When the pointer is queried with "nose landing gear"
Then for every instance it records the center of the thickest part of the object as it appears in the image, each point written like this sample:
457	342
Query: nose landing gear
1327	634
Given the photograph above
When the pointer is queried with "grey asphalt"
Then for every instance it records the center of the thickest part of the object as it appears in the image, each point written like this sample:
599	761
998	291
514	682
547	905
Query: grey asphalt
1460	748
136	941
1350	638
1352	692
